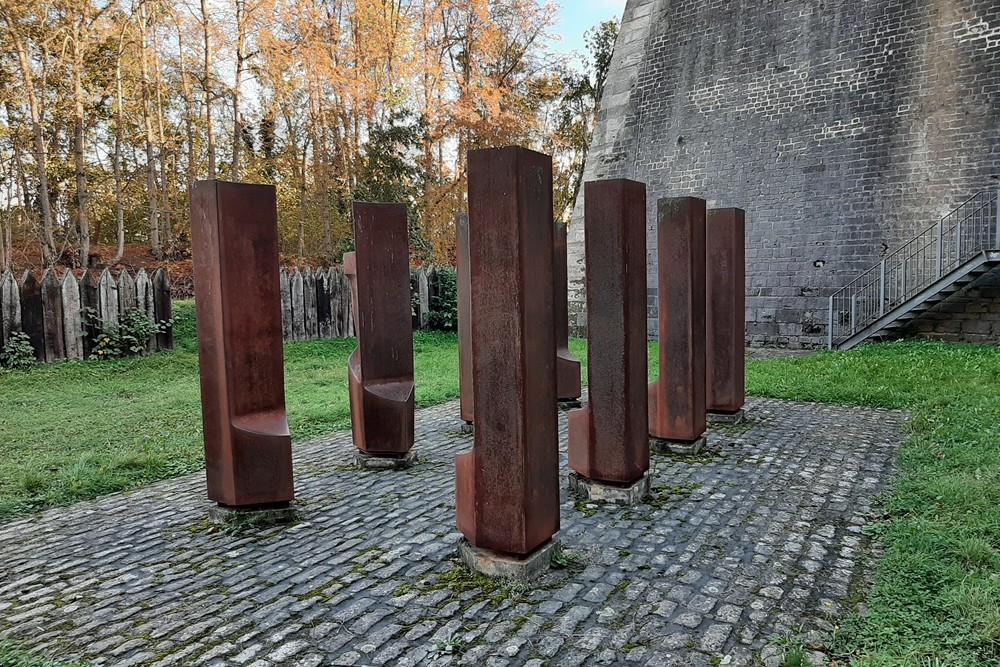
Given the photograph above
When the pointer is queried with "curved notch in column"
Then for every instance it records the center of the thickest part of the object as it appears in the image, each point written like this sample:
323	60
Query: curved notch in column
507	495
248	447
677	397
608	439
381	368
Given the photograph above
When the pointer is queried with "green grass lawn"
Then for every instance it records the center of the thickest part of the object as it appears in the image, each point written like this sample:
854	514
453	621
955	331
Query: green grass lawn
78	430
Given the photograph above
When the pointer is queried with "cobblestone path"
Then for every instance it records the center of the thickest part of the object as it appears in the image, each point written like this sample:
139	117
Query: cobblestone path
760	535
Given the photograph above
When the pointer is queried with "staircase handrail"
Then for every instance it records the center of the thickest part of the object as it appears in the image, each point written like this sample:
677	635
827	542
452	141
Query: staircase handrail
965	232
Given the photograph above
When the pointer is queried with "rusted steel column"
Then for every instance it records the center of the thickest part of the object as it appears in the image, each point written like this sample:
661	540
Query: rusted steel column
507	493
677	397
608	440
567	366
725	319
467	402
248	448
381	369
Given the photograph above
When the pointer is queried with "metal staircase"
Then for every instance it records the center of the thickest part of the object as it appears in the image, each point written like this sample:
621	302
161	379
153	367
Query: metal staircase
925	271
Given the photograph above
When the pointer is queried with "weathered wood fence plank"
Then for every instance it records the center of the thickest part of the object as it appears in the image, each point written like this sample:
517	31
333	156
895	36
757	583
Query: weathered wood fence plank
32	317
164	310
10	306
72	324
52	317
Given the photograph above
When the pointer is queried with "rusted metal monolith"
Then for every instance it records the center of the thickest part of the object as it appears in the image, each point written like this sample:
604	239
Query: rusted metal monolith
677	397
608	439
381	369
507	495
466	402
248	448
567	366
725	314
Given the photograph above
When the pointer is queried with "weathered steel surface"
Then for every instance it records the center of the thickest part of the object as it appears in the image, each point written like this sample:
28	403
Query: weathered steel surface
507	488
608	440
725	310
248	448
567	366
467	402
32	315
677	397
381	368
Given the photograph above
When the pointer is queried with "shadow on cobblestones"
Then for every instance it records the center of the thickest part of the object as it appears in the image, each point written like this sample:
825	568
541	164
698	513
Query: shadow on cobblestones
757	537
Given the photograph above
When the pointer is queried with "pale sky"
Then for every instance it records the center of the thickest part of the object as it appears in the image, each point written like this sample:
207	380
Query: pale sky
578	16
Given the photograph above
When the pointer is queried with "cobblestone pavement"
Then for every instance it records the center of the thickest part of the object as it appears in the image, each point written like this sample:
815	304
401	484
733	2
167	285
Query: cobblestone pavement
758	536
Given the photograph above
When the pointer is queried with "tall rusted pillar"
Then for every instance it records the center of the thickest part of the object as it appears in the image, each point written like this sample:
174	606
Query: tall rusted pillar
567	366
466	402
725	319
677	397
507	495
248	448
380	371
608	440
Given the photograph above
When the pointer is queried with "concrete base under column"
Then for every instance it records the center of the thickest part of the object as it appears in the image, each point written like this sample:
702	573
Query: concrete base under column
590	489
508	566
677	446
251	517
372	462
572	404
737	417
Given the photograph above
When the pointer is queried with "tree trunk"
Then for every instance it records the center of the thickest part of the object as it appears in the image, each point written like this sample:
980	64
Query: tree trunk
83	220
206	85
151	189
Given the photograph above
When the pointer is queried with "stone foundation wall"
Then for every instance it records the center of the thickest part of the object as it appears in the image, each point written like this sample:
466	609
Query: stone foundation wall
842	127
971	315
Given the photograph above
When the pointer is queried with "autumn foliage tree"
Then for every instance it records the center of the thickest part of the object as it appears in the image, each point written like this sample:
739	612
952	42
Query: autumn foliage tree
110	109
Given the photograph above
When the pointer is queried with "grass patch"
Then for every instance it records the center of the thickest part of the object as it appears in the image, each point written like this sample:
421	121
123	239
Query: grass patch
937	594
77	430
11	657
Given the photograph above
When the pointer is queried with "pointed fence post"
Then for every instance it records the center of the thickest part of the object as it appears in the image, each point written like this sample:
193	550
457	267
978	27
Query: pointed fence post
725	314
164	309
285	288
608	439
248	447
32	315
380	370
464	278
298	305
144	301
52	316
72	323
334	281
424	296
507	487
127	298
10	305
107	300
322	304
310	325
89	301
677	398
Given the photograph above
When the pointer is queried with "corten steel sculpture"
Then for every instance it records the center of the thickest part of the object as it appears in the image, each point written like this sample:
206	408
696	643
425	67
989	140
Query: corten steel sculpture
677	397
507	494
466	403
725	314
608	439
380	371
567	366
248	448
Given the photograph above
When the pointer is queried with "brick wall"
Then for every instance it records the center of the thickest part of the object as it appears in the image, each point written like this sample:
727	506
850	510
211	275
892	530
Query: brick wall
842	127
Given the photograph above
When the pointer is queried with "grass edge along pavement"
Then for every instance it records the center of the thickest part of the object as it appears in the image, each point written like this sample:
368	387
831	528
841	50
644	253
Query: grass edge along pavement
937	595
11	657
936	598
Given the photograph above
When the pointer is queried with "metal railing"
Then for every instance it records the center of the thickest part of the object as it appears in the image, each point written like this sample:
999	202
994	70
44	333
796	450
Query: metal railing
970	229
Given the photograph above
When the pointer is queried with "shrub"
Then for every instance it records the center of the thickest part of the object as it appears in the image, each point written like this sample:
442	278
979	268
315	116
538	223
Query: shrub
128	338
18	352
443	314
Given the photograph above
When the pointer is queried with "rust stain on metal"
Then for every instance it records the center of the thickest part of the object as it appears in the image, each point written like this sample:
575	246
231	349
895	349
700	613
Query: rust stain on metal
567	366
725	322
380	370
608	440
248	448
677	397
507	488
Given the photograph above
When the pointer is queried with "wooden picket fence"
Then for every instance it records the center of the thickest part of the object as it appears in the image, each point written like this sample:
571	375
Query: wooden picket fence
51	310
316	302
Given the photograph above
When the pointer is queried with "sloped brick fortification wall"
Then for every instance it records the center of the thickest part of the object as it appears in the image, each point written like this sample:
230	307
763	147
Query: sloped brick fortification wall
842	127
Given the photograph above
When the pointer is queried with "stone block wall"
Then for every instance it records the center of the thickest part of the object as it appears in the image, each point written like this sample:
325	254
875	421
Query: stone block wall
843	127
